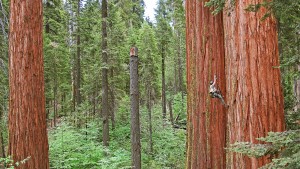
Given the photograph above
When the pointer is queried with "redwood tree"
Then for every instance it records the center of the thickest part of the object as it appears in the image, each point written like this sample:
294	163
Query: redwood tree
27	116
253	83
205	58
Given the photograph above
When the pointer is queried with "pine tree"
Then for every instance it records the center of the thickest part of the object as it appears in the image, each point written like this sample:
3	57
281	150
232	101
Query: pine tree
56	57
105	109
149	72
163	35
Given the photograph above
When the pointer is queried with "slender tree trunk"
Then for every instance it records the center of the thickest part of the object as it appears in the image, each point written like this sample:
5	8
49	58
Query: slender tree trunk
2	150
27	116
55	96
63	99
149	109
73	87
180	75
94	102
253	83
54	106
112	103
175	78
171	113
206	121
78	66
2	146
105	111
297	91
163	92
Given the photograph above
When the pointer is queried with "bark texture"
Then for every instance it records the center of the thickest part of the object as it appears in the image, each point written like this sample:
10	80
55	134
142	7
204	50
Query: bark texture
206	116
135	117
253	85
105	105
27	116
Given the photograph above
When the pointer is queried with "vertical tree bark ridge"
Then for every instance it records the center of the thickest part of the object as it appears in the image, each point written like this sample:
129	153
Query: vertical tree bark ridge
135	117
105	111
253	84
206	116
27	116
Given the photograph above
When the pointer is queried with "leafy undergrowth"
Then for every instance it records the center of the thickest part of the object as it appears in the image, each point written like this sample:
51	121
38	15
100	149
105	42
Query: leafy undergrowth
81	148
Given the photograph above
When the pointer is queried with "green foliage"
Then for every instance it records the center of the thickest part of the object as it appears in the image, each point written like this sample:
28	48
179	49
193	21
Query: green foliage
79	148
288	16
286	144
72	147
216	5
149	62
10	164
179	107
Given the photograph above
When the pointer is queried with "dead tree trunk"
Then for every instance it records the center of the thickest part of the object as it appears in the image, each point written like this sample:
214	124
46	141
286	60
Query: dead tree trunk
253	82
27	116
206	119
135	117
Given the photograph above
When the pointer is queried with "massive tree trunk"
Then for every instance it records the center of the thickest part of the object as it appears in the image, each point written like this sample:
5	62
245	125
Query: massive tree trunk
206	116
253	82
105	111
27	116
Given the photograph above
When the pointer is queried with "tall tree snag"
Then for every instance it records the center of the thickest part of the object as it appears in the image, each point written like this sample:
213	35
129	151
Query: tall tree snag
105	111
253	84
206	119
135	116
27	116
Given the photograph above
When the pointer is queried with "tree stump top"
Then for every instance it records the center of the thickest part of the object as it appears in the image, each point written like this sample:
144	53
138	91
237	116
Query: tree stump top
133	52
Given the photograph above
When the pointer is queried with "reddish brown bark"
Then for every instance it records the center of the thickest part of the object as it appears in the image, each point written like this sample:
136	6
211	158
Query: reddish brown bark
206	116
253	83
27	116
